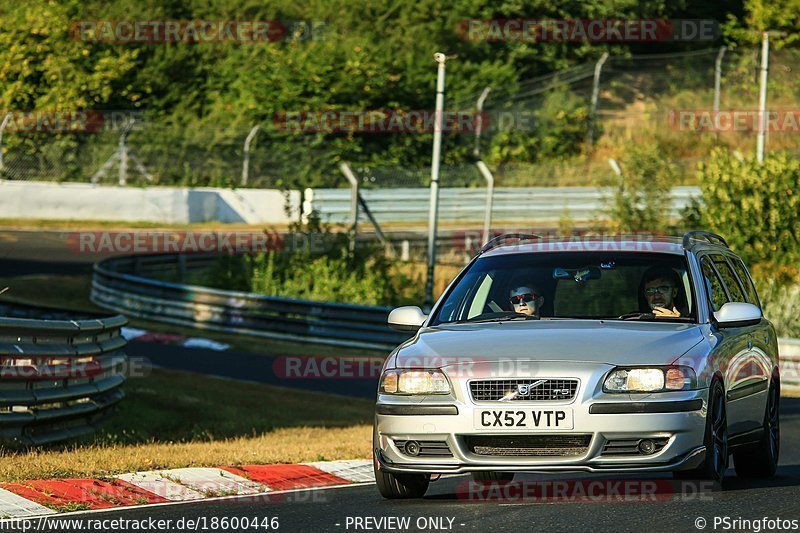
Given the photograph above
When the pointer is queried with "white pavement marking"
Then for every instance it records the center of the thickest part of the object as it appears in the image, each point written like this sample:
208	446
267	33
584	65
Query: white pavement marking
197	342
212	481
357	471
14	506
131	333
156	483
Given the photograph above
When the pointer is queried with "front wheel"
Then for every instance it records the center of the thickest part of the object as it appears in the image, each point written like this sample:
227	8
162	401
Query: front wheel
716	440
761	460
398	486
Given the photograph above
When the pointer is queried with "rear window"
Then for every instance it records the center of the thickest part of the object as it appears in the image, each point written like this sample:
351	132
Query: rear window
749	289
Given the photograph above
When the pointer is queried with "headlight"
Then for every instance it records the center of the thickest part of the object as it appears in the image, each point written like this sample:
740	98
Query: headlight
650	379
414	382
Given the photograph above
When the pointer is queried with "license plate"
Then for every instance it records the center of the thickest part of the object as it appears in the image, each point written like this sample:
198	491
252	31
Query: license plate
523	419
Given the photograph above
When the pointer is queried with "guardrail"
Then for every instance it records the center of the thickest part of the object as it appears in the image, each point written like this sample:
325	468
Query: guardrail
120	284
510	204
790	364
58	378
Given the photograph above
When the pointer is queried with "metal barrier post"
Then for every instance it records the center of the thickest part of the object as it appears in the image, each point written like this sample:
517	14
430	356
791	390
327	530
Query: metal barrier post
479	122
762	99
2	128
433	214
595	97
246	161
717	83
351	177
487	217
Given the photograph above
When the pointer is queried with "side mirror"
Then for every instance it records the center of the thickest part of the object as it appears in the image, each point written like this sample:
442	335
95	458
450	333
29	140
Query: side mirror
407	318
737	314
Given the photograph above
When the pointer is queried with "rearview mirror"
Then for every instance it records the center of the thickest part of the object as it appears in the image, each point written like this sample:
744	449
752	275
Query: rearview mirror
737	314
407	318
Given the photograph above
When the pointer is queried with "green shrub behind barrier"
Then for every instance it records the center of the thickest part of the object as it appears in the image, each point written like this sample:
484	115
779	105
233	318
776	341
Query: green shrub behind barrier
756	207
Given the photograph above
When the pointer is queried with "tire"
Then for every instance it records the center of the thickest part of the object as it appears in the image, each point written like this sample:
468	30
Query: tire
716	440
401	486
504	477
761	460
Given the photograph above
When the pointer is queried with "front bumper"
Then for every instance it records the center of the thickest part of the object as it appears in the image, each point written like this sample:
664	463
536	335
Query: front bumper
674	419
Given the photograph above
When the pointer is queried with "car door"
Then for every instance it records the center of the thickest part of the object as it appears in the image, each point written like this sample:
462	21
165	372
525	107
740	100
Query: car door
736	358
762	342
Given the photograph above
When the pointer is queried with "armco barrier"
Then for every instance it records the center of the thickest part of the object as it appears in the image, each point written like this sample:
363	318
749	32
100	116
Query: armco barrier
58	378
528	205
127	285
121	284
790	365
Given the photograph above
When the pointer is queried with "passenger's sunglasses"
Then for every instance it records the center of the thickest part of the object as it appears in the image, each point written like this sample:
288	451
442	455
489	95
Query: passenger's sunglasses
663	289
519	298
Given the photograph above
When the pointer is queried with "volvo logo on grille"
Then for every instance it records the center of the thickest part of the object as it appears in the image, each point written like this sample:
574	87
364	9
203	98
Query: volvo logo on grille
522	390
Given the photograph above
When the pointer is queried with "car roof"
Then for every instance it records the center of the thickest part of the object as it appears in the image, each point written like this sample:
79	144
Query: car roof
592	244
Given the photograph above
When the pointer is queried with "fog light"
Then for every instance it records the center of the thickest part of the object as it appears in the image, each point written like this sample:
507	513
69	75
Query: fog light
412	448
647	447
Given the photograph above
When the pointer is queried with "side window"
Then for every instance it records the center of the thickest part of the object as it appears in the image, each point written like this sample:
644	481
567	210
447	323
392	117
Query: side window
729	278
716	289
479	300
749	289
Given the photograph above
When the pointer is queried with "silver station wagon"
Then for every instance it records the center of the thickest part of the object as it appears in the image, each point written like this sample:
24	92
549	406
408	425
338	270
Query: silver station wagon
595	356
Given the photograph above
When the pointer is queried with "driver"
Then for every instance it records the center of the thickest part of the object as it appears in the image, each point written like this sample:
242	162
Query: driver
526	300
659	288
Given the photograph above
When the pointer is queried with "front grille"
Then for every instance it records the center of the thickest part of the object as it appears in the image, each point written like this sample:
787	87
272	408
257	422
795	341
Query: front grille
529	445
622	447
492	390
427	448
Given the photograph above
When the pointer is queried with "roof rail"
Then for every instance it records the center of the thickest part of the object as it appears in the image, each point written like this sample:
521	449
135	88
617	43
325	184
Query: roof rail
707	235
500	240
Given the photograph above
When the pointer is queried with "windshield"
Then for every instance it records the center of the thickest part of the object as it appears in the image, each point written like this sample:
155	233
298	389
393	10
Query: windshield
582	285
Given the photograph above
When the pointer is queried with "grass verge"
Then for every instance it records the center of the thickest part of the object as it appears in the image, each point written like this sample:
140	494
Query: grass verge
174	419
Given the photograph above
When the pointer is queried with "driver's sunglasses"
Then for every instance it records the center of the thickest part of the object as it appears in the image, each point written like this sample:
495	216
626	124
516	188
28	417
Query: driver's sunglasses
519	298
663	289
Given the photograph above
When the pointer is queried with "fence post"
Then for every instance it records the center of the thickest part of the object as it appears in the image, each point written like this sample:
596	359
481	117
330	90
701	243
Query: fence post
123	155
762	99
433	214
717	82
246	161
479	122
487	216
351	177
595	96
2	128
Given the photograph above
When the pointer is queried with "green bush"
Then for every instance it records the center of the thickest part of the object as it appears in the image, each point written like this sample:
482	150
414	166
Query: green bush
641	199
781	303
756	207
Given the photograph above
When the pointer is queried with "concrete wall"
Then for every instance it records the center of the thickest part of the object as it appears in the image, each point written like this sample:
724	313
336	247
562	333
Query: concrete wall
168	205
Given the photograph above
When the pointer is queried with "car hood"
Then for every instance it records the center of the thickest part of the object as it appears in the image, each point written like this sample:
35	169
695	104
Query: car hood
595	341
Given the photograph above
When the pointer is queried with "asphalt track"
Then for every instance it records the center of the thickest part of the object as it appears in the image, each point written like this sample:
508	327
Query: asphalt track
671	507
